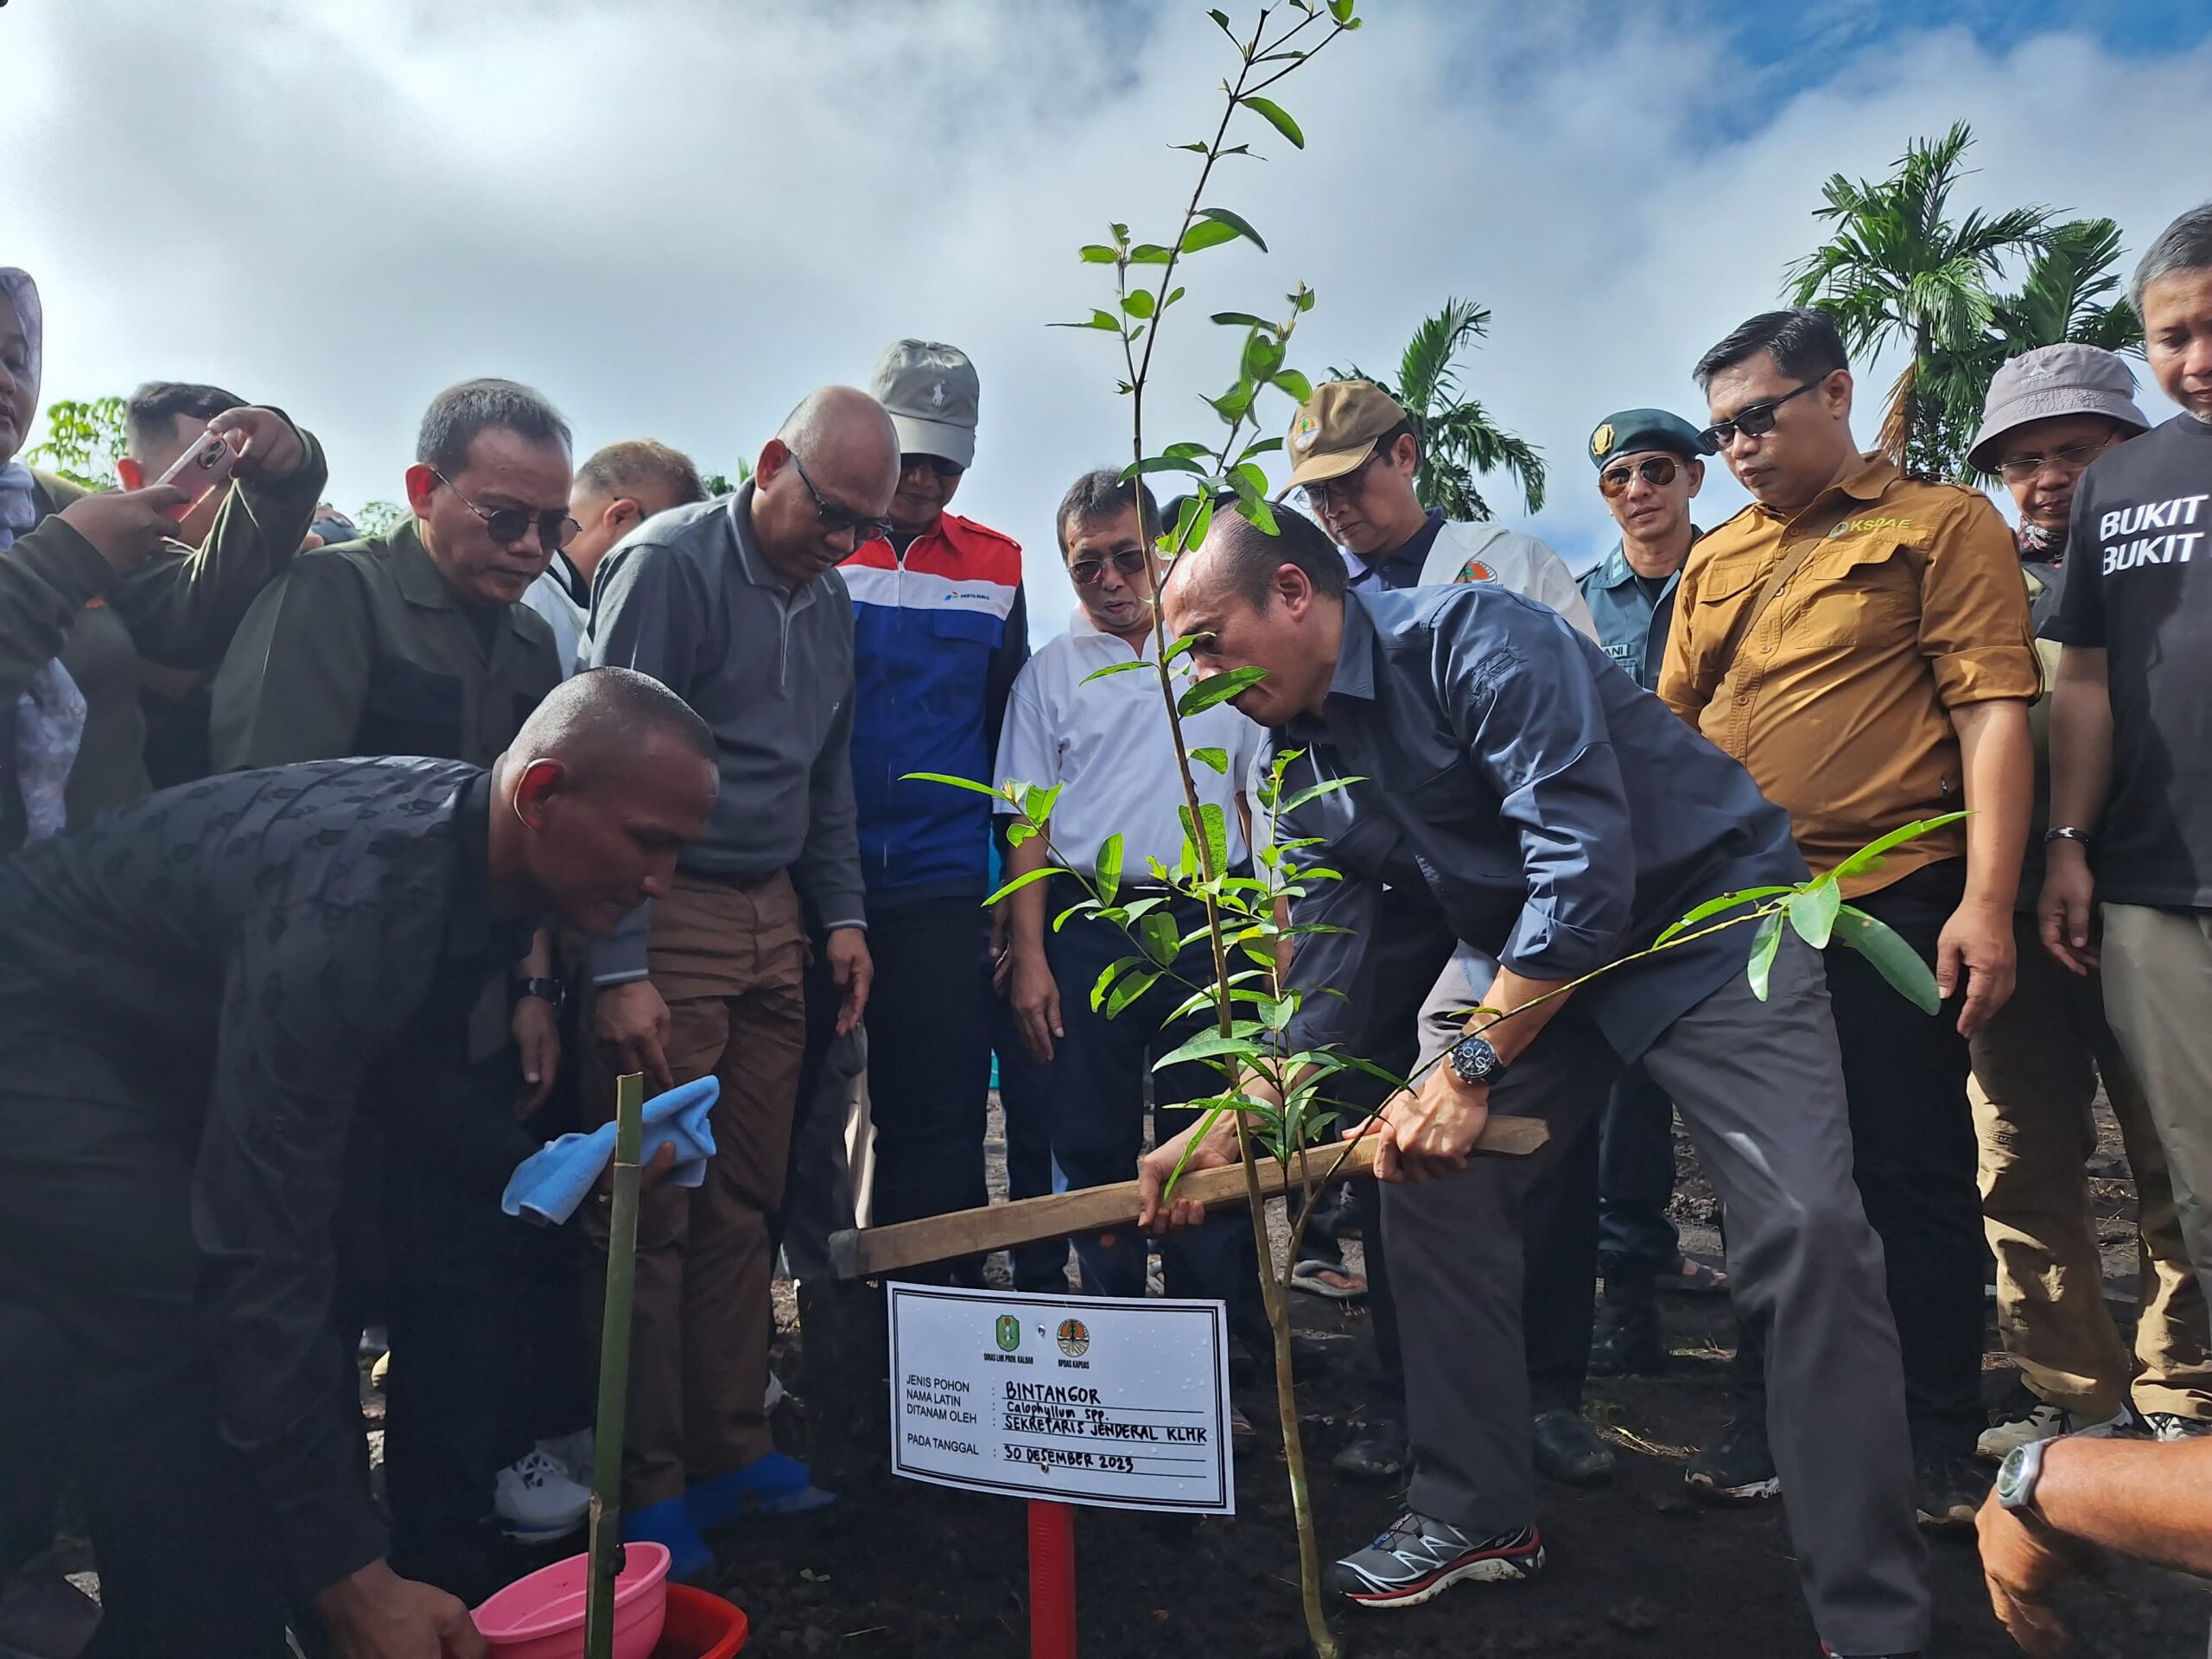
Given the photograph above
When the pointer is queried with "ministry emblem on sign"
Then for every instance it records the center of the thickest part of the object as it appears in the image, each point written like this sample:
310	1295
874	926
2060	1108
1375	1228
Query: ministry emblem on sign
1009	1333
1074	1339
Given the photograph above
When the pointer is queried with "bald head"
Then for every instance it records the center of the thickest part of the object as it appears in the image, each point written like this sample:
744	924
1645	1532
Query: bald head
605	783
1245	559
1253	600
824	484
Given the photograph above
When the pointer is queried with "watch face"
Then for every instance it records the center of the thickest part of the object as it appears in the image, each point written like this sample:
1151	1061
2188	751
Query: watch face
2016	1478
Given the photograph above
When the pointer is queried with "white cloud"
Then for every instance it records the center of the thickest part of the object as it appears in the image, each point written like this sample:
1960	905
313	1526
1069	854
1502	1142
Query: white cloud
676	216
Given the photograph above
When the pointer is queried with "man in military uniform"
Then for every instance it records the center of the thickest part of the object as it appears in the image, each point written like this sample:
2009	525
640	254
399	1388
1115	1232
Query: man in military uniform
195	993
1650	466
417	643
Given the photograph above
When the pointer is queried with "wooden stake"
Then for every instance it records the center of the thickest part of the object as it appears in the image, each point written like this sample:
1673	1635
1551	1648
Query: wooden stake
873	1251
605	1545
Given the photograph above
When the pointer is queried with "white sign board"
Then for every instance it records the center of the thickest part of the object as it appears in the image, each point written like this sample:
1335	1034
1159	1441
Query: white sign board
1117	1401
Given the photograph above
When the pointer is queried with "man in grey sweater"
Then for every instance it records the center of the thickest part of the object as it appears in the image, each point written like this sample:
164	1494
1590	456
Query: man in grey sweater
734	604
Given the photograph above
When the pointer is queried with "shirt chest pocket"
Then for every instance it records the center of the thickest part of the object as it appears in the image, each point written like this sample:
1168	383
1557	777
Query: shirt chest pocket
411	710
1864	591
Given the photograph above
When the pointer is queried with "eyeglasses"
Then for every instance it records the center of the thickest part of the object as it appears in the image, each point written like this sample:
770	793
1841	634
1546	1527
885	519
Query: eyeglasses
1318	495
2071	458
937	464
836	520
507	525
1658	471
1755	422
1127	561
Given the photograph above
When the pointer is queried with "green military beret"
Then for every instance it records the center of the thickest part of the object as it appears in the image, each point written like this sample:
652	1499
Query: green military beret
1635	430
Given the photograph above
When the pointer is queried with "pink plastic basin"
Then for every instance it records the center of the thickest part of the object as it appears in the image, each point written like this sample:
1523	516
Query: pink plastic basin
542	1617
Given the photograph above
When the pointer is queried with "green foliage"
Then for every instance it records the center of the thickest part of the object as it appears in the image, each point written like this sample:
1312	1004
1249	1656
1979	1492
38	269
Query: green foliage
726	484
1900	270
1460	442
83	441
380	518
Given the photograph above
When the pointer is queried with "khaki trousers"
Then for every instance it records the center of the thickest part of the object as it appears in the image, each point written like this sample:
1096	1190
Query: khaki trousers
727	958
2036	1067
2158	972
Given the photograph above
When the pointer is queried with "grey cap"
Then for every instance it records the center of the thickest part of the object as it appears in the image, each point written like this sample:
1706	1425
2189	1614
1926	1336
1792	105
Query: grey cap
931	392
2052	380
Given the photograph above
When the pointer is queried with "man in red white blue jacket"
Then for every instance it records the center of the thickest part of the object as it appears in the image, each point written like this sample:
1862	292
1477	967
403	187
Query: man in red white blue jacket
939	633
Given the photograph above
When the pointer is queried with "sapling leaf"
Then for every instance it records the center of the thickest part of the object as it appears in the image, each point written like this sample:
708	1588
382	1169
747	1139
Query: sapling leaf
1261	517
1235	222
1111	972
1813	912
1132	987
1241	319
1314	793
1137	302
1292	383
1036	801
1164	464
1763	945
1098	254
1869	857
1205	1046
1714	906
1023	881
1217	758
1278	118
1219	688
1158	930
1206	233
1149	253
1105	320
1130	667
1108	866
969	784
1896	962
1017	832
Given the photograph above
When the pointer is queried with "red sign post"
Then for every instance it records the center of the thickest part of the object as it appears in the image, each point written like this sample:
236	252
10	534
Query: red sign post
1051	1580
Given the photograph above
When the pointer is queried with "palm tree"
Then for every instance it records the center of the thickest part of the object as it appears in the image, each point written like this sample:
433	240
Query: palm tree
1459	442
1899	270
2060	298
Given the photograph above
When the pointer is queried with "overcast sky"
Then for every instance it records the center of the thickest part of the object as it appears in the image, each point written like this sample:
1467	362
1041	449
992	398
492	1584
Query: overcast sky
676	216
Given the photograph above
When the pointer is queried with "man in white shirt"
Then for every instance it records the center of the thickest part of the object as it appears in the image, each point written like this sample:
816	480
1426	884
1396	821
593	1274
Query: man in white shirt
1107	744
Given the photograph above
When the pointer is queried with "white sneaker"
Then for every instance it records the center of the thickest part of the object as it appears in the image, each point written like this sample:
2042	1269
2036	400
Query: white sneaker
574	1453
2172	1426
774	1397
537	1500
2044	1421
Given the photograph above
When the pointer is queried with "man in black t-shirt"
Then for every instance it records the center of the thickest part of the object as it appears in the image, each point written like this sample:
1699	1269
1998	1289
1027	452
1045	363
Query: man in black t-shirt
2131	729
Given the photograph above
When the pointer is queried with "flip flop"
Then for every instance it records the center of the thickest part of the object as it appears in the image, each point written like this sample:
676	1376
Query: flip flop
1319	1279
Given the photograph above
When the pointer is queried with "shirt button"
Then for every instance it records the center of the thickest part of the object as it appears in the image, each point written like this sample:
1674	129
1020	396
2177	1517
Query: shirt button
1742	697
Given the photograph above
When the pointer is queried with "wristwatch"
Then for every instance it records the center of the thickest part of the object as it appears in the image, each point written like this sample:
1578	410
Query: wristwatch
1473	1060
2065	832
2016	1479
551	989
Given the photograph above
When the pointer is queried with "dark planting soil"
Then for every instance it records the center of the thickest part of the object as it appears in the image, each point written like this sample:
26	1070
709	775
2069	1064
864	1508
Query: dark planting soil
1637	1569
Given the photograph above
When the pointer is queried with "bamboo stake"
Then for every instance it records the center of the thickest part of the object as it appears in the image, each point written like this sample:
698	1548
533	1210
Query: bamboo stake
605	1545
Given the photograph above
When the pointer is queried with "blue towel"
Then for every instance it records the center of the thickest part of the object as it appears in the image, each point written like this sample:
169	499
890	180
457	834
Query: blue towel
551	1183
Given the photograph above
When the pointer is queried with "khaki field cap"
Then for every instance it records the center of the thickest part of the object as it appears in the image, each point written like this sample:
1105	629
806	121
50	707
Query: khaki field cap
1335	429
2066	380
931	392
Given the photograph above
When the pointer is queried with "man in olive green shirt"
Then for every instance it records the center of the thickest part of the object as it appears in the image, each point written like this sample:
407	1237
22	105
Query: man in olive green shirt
417	643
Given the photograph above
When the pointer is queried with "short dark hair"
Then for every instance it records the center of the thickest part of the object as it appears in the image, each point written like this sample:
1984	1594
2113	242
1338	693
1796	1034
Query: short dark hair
459	413
2185	245
1388	443
624	468
1105	493
153	411
599	712
1803	343
1250	557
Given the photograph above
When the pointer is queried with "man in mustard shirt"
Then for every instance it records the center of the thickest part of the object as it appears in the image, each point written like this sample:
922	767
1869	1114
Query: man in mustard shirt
1860	640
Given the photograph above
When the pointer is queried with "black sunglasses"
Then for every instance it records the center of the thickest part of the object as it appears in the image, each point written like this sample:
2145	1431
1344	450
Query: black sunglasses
507	525
836	520
1755	422
1127	560
1658	471
937	464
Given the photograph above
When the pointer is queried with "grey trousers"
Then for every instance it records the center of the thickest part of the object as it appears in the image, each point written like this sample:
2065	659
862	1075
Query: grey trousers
1760	1090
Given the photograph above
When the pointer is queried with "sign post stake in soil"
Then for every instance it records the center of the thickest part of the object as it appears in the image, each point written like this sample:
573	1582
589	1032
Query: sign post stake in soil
606	1538
1051	1580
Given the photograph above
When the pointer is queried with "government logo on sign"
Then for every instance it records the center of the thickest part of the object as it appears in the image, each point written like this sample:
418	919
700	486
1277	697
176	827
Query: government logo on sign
1009	1333
1074	1339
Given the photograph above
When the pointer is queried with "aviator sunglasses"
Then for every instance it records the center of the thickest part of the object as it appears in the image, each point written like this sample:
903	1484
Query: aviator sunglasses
1658	471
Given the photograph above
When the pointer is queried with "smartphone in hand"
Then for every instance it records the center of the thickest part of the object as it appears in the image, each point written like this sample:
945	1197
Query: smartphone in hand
200	470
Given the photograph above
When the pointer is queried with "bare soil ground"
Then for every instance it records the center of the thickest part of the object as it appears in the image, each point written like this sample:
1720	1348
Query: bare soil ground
1636	1569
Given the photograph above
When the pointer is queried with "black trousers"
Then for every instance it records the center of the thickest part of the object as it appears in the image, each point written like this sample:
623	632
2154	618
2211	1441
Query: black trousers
928	1057
35	1395
96	1238
1914	1158
1635	1177
1026	1105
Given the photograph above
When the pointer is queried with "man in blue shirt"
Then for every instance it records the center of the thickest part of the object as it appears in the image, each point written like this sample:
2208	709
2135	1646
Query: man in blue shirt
1560	818
1650	467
